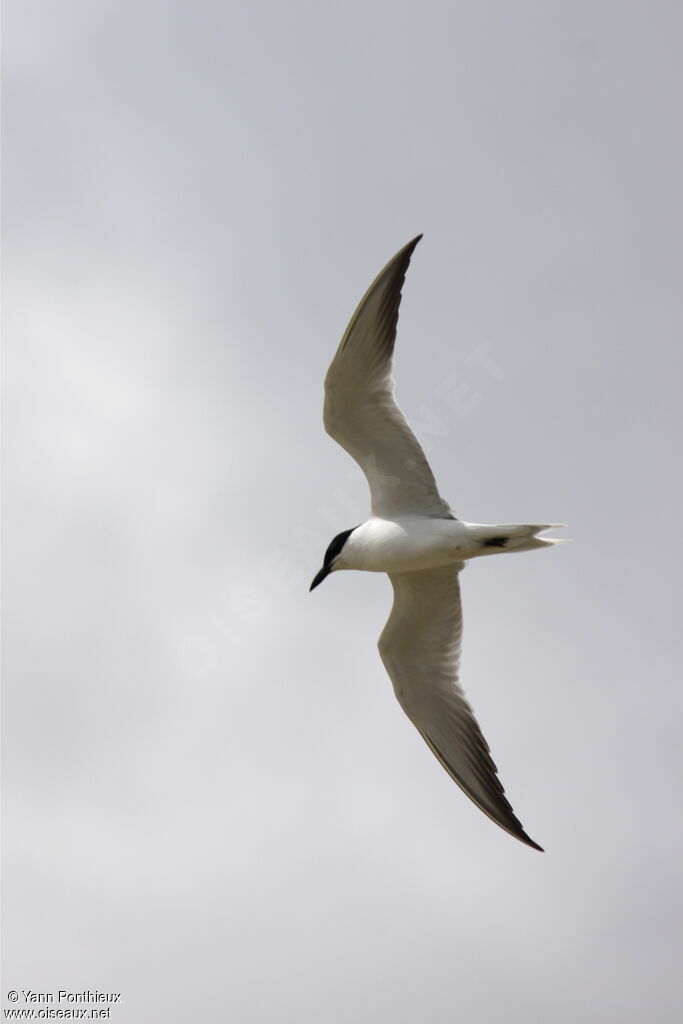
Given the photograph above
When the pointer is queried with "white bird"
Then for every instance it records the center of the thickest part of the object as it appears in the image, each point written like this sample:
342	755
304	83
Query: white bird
415	537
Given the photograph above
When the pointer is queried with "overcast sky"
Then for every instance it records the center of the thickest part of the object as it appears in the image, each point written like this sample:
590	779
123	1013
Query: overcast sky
213	803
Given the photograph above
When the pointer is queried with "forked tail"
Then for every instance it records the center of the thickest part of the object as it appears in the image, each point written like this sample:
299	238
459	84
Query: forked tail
517	537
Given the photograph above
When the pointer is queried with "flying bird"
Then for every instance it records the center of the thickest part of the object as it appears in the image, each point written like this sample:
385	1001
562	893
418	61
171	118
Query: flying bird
414	536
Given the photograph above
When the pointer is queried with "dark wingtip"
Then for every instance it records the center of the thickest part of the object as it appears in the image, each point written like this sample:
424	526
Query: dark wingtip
402	257
407	250
529	842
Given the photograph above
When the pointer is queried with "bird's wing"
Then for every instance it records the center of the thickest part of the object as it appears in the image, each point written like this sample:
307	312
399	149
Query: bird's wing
361	413
420	648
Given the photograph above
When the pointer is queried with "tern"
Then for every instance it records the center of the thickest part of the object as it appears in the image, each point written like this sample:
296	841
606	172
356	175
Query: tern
414	536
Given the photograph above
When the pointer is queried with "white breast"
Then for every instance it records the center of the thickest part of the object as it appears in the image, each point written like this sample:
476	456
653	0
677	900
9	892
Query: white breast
404	545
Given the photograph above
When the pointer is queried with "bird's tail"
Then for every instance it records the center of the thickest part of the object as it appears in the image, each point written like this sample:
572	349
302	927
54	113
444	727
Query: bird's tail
518	537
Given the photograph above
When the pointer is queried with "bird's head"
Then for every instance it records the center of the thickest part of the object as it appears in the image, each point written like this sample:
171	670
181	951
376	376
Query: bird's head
332	555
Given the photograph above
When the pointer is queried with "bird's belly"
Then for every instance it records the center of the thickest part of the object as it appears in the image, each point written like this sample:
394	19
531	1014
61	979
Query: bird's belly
383	546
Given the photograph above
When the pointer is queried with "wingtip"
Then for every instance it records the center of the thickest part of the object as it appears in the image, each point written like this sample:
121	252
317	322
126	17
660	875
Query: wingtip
406	252
527	840
408	248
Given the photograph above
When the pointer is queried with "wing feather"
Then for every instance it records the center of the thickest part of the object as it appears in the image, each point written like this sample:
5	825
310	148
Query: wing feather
361	413
420	648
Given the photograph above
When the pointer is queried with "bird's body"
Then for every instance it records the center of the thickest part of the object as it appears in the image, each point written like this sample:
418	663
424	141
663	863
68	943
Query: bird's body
411	543
414	536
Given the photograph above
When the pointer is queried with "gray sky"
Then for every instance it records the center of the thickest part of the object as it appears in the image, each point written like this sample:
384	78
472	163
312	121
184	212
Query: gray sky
213	803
